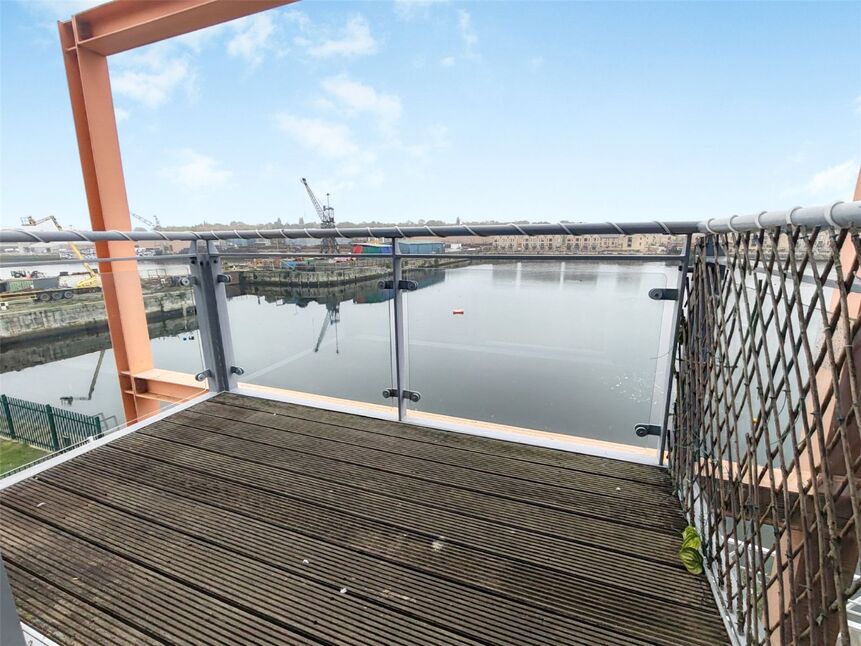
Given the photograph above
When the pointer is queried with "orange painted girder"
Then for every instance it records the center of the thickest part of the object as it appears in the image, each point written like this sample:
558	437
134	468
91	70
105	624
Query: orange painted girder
125	24
87	39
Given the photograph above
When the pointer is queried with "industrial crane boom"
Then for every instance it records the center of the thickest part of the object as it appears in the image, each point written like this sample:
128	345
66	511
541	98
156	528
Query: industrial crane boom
327	220
153	224
321	210
93	280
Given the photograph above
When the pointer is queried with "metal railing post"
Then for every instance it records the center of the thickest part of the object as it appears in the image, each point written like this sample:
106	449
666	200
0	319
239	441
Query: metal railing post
677	315
8	413
398	315
52	427
210	298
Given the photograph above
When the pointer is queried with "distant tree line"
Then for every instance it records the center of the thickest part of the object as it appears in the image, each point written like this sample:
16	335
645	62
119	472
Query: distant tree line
278	224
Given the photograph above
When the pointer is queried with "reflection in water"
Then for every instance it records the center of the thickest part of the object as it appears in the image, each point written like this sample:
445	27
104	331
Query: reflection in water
333	317
68	400
565	347
366	293
560	273
503	273
108	421
570	349
629	278
16	357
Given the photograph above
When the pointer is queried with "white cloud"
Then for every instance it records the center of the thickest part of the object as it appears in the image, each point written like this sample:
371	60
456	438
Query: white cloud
197	40
323	104
448	61
326	138
353	39
834	182
151	77
467	31
357	97
350	164
357	160
195	170
410	9
252	37
121	115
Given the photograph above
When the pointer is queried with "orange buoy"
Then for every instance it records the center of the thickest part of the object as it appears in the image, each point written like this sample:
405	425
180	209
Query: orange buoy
457	311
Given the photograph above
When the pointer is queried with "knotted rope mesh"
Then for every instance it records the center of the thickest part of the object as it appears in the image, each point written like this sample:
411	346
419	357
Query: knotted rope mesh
765	450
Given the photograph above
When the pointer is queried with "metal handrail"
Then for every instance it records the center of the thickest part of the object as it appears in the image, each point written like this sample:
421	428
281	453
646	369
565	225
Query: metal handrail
516	257
836	214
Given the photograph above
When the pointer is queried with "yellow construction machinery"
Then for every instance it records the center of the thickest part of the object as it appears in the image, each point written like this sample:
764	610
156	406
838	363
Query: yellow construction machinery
93	279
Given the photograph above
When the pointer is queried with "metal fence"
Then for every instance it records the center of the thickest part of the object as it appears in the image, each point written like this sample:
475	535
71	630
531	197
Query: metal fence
44	426
765	447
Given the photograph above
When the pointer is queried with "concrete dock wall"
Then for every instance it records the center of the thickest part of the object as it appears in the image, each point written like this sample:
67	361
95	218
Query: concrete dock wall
66	318
339	275
292	278
26	322
56	348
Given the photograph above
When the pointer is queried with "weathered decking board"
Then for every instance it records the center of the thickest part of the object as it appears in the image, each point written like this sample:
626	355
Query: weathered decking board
243	520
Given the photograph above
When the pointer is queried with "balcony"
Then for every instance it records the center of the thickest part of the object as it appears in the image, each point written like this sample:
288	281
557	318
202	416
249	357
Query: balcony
434	476
239	520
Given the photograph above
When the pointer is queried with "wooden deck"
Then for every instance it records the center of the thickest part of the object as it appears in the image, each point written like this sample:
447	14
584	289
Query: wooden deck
241	521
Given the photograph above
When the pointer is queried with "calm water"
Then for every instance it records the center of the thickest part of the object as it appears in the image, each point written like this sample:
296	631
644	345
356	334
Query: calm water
571	348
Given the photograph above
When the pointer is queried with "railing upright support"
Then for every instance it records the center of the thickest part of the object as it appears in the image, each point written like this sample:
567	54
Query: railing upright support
398	316
674	341
210	298
52	428
8	414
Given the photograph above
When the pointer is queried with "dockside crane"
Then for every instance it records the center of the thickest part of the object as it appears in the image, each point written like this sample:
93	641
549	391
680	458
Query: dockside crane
327	219
93	279
332	318
153	224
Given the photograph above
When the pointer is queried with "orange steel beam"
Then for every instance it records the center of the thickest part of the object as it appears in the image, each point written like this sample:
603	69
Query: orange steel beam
99	149
165	385
86	40
125	24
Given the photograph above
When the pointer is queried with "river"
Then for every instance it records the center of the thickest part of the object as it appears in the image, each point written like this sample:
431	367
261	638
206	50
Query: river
569	347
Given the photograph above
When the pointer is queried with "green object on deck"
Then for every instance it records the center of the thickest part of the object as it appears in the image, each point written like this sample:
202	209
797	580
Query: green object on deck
690	554
690	538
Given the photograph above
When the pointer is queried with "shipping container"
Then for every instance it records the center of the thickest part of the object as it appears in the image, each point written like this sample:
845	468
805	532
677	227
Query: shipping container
366	248
50	282
421	247
19	284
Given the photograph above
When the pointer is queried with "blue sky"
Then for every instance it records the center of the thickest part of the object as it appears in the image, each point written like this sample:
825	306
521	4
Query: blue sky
438	110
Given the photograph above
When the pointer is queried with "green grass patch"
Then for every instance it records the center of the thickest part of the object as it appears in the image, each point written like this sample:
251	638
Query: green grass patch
15	454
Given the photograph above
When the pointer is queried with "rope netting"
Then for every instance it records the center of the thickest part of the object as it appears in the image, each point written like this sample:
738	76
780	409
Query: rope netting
765	450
